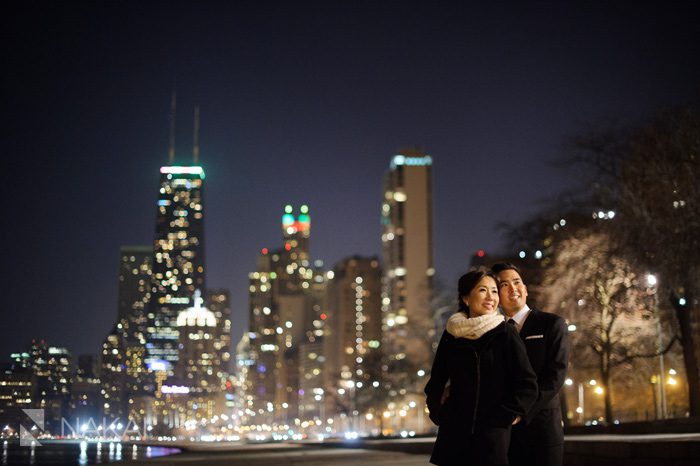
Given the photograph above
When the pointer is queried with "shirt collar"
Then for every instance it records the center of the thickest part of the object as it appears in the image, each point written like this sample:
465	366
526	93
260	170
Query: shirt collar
521	315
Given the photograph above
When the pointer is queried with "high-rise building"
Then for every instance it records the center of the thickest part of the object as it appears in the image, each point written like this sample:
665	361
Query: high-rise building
16	382
86	397
352	341
51	366
243	394
263	345
218	301
286	300
407	221
113	374
199	362
135	277
178	261
134	283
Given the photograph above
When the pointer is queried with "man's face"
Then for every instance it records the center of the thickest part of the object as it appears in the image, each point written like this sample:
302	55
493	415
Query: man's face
512	291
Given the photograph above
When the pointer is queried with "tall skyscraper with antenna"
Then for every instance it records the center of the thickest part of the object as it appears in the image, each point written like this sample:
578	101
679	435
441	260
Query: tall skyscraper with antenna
178	251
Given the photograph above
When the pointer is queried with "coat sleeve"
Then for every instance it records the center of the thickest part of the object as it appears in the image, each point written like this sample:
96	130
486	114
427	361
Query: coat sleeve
552	375
521	378
439	376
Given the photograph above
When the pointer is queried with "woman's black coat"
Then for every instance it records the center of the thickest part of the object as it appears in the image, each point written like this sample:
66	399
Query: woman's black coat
491	382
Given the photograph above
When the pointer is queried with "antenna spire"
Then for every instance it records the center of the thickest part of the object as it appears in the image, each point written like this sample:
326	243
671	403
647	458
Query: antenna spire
171	148
195	149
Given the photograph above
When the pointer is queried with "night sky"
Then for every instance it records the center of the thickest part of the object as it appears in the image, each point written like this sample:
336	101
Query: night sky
300	102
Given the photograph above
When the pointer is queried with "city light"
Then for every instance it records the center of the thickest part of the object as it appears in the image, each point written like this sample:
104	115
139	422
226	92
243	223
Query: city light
178	170
651	279
174	389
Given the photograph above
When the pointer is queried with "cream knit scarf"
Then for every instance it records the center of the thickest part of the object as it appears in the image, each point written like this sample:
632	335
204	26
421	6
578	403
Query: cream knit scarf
461	326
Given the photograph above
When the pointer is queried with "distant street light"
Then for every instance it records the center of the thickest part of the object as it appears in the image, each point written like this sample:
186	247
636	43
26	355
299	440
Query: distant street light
651	280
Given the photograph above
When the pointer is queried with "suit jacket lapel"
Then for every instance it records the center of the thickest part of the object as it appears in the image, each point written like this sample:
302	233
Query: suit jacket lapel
530	324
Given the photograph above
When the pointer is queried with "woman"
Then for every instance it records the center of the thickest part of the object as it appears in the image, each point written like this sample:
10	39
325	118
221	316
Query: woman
491	383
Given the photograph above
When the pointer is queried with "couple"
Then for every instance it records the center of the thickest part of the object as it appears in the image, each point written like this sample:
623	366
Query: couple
501	405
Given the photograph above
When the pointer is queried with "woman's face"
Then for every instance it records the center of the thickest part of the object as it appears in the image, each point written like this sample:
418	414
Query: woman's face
483	298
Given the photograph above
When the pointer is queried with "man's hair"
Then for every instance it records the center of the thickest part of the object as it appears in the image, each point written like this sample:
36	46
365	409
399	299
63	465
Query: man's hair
501	266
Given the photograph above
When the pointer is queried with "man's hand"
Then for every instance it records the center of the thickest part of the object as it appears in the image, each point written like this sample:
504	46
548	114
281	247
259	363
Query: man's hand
517	419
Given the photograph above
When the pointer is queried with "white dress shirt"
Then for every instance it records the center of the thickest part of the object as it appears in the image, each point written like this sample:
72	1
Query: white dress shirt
520	317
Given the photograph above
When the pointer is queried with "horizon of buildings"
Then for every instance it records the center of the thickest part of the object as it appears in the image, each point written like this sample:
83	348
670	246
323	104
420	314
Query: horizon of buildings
316	350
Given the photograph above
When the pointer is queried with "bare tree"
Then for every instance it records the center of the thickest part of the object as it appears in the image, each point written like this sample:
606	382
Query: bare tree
648	176
596	289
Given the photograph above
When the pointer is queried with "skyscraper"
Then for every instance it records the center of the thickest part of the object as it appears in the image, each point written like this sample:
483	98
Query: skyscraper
86	393
199	364
16	384
178	260
135	281
51	366
113	374
263	345
352	344
407	222
218	301
286	299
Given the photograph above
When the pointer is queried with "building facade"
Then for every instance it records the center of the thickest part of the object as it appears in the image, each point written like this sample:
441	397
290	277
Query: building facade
199	361
16	383
135	281
218	301
352	344
407	223
178	261
287	296
51	391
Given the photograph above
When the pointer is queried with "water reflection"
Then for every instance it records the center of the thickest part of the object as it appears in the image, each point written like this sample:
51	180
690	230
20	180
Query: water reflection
77	453
82	459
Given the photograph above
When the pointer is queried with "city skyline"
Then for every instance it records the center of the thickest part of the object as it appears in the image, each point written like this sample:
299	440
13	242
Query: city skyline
287	119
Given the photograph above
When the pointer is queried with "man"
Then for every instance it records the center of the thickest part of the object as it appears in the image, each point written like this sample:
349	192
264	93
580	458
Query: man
539	438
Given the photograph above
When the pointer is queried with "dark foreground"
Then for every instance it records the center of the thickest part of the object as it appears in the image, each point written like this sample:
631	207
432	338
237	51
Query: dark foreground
293	455
682	449
599	450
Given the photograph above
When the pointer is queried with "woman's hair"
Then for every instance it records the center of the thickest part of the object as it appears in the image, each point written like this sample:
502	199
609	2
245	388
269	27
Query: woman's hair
468	282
